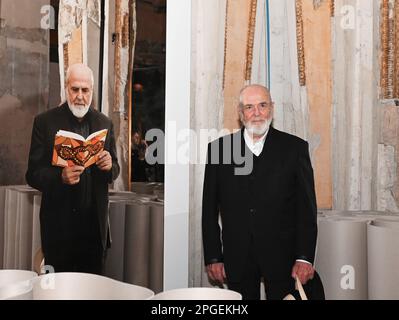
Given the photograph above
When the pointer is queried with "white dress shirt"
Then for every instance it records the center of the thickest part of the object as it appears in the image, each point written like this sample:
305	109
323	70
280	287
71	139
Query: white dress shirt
255	147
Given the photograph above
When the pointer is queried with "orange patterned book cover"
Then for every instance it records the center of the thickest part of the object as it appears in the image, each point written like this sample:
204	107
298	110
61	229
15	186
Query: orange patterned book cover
72	149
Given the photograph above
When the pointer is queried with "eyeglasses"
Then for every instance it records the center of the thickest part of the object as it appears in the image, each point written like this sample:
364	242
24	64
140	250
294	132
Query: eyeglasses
262	107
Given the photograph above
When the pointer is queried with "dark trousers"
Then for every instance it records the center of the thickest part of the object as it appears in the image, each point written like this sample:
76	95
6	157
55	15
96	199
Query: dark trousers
87	261
249	285
82	250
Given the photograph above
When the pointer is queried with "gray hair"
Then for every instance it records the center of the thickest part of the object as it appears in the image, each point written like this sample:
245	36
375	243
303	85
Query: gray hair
241	103
69	71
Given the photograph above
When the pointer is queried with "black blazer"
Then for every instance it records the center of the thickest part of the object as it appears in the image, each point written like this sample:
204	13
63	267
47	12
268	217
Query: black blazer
56	196
273	207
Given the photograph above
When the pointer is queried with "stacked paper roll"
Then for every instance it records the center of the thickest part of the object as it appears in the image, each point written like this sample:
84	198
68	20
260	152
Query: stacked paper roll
36	238
383	259
156	247
136	255
18	227
115	255
10	225
379	246
143	187
342	253
23	245
137	243
136	225
2	225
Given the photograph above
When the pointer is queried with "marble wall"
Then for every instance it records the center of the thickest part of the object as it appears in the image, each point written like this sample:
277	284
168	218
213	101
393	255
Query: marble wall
24	84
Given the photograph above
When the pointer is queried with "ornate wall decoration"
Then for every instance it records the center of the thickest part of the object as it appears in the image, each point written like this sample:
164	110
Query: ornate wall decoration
250	40
117	61
396	53
70	18
225	43
389	29
94	11
332	7
300	42
66	57
384	29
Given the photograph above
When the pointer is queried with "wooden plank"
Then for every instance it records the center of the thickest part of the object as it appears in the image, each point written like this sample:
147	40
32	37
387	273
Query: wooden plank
318	56
237	22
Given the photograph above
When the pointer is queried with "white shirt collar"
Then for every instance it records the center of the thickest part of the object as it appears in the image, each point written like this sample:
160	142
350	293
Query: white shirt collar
255	147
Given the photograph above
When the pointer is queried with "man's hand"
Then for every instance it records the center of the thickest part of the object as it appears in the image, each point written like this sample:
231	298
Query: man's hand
71	175
303	270
216	272
104	161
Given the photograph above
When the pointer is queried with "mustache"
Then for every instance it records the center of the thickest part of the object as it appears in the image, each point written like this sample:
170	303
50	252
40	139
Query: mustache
258	120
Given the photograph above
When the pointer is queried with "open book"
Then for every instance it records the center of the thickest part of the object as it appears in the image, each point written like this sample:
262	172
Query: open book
72	149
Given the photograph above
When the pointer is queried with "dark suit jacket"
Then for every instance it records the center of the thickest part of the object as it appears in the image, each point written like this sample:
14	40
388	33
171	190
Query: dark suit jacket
274	207
56	196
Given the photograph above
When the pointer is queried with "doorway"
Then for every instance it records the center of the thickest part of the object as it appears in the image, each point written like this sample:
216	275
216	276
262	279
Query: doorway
148	88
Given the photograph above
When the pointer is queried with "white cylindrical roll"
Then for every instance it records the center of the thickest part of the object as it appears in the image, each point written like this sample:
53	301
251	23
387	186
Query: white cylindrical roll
383	260
386	223
85	286
17	291
198	294
341	257
11	276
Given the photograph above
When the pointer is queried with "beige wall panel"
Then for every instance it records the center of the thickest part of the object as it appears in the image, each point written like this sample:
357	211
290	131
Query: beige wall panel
238	13
317	40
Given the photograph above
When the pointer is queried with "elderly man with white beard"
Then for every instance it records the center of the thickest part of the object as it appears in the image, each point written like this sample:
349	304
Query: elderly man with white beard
74	208
267	217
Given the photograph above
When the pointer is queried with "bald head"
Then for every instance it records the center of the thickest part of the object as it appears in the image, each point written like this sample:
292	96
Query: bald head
79	84
253	89
81	72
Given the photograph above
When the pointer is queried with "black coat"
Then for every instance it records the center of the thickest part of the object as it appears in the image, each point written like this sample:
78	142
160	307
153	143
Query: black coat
57	197
274	205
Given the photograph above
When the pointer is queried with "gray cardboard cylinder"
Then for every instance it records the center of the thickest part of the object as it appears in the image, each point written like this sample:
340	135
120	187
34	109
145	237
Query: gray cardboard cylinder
36	238
341	246
25	218
156	246
10	228
383	261
143	187
131	196
137	244
115	255
2	225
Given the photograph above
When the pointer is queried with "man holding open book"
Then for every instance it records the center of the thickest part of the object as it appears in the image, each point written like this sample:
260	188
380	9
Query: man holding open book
72	160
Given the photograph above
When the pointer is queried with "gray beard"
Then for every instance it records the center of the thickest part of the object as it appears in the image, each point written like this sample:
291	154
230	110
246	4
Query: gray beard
78	111
258	130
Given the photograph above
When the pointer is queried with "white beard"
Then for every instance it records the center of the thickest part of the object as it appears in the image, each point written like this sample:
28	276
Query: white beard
258	130
77	110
